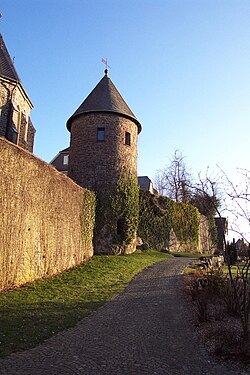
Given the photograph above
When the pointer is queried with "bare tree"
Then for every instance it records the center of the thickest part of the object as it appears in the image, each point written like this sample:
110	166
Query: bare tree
237	201
174	180
205	202
239	206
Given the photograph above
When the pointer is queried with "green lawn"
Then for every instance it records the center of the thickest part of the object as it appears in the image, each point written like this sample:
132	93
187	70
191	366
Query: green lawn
236	269
33	313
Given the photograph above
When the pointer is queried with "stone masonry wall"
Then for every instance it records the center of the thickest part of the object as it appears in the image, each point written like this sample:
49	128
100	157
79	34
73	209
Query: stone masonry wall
96	164
46	219
206	243
15	110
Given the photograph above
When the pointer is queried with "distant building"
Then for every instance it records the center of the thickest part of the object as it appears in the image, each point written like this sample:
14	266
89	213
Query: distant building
15	105
146	184
241	247
61	161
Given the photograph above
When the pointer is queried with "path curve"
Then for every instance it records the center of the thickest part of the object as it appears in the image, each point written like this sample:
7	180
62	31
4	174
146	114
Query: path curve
144	330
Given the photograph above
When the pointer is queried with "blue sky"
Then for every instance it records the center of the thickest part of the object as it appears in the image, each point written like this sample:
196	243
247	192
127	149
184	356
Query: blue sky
183	67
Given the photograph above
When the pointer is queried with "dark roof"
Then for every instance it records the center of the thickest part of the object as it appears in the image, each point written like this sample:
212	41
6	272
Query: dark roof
7	68
64	150
105	98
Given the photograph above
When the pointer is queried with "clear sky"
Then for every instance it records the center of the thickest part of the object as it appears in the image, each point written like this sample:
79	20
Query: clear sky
182	66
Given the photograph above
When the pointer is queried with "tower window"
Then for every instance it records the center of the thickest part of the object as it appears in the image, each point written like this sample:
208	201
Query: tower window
127	139
100	134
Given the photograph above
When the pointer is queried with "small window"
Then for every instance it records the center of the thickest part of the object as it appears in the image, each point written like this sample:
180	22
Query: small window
127	139
26	132
19	120
65	159
100	134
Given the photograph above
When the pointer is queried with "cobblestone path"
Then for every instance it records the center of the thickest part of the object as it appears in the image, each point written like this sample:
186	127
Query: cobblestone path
144	330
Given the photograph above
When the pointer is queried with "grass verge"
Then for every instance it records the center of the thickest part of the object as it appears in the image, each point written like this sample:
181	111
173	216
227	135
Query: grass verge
35	312
235	269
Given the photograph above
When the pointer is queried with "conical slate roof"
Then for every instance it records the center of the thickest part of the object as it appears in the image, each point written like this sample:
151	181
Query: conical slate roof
105	98
7	68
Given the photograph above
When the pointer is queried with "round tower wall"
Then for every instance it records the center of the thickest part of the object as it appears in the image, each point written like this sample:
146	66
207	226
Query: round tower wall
97	164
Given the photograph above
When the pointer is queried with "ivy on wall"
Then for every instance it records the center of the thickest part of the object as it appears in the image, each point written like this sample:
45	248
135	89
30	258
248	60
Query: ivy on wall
87	217
212	230
117	210
159	214
125	206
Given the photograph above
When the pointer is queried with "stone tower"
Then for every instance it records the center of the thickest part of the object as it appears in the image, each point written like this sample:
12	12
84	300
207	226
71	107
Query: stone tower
103	157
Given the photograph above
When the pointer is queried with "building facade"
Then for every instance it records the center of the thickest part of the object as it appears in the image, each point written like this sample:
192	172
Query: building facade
61	161
15	105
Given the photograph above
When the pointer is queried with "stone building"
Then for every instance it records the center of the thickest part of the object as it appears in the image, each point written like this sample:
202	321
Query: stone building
146	184
15	105
61	161
103	149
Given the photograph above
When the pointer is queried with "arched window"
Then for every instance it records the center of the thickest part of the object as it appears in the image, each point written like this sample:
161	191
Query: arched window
25	125
15	123
19	119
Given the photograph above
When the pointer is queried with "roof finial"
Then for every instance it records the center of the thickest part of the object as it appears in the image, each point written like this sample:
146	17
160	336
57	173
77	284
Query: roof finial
105	61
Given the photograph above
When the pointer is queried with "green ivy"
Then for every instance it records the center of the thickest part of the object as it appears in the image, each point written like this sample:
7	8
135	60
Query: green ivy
212	229
125	205
88	216
120	201
159	214
186	222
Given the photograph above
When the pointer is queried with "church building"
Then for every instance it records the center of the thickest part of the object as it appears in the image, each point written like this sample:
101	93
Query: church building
15	105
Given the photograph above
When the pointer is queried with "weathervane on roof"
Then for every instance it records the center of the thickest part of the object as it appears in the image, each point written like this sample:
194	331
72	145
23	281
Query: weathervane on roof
105	61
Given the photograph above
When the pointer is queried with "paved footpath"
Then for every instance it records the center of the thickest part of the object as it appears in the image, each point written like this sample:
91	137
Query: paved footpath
144	330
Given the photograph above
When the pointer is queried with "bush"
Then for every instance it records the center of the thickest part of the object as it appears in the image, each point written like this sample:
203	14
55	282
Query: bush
216	281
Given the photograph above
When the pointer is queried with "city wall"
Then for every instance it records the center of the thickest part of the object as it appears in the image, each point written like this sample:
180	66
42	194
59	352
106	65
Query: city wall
46	220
